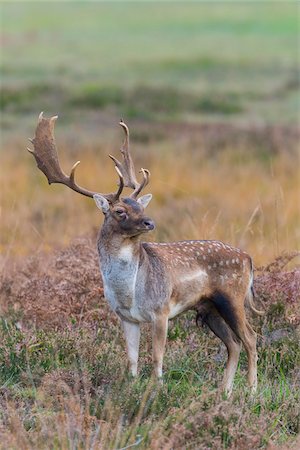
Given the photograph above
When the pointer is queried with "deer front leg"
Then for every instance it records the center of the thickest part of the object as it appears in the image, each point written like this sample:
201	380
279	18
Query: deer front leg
132	337
159	337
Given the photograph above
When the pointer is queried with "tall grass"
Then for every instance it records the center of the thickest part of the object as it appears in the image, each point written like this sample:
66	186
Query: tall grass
241	193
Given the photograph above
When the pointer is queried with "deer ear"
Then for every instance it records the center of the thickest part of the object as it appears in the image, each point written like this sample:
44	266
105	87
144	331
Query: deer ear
101	203
145	200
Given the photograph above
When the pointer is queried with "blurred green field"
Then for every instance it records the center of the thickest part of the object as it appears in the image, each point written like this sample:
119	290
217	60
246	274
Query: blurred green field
155	60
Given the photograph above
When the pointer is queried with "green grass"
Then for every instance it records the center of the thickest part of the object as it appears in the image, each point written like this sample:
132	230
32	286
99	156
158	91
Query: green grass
79	377
227	61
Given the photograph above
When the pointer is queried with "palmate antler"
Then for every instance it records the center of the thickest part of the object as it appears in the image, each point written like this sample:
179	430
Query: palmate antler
46	157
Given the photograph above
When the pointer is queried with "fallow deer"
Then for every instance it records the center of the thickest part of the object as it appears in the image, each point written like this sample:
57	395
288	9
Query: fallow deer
154	282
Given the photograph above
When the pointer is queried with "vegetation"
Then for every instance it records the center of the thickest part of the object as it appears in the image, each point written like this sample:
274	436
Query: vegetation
211	97
63	367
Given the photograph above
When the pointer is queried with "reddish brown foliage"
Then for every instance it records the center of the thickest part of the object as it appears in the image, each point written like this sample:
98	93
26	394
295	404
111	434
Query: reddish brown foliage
50	291
273	285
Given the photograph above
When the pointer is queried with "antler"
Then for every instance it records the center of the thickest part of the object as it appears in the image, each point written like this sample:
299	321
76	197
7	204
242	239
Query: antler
126	168
46	157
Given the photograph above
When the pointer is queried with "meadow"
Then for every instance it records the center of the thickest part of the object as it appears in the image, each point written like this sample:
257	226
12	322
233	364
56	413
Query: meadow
211	96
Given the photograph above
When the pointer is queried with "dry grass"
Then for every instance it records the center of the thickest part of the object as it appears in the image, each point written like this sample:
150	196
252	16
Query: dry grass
232	184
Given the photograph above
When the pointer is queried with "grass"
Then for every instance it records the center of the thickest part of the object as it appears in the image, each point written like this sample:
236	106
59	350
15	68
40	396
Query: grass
69	387
209	186
211	95
209	54
64	381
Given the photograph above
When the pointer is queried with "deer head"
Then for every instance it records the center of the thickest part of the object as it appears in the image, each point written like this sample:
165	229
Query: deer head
125	215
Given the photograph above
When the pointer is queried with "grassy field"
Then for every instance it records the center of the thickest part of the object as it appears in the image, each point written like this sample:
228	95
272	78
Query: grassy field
231	61
211	95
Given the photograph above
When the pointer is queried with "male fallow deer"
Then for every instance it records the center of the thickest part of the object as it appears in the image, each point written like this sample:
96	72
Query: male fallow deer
154	282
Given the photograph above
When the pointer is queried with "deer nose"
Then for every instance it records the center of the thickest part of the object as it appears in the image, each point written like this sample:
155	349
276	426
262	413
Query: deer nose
149	224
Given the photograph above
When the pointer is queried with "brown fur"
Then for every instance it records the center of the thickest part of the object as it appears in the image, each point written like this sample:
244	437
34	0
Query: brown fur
157	281
153	282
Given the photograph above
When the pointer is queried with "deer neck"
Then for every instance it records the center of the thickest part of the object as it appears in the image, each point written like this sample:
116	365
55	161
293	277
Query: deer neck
119	263
113	247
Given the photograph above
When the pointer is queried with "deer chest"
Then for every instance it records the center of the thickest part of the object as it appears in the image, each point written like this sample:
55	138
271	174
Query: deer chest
119	279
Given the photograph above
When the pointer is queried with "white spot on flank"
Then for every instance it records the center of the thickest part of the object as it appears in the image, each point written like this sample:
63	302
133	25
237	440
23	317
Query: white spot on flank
197	275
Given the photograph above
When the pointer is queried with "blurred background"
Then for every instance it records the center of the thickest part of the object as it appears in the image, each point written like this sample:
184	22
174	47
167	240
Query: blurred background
210	93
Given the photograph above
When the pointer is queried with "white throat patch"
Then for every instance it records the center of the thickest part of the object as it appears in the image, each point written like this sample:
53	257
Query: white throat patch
126	253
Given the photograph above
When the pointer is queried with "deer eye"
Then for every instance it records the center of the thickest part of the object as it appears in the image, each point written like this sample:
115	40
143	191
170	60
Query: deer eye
121	213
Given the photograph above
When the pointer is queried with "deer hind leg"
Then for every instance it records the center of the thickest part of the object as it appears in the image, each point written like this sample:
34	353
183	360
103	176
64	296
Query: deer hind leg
132	337
235	317
159	337
248	337
222	330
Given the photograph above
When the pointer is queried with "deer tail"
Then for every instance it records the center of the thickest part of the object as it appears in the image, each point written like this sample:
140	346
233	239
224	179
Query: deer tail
251	294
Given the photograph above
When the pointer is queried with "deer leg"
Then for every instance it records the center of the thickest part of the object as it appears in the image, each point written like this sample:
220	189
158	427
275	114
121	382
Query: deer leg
248	337
235	317
159	337
132	337
219	327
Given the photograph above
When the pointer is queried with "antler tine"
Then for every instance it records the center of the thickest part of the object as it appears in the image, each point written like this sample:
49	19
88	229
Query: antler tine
140	187
45	154
126	167
121	184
